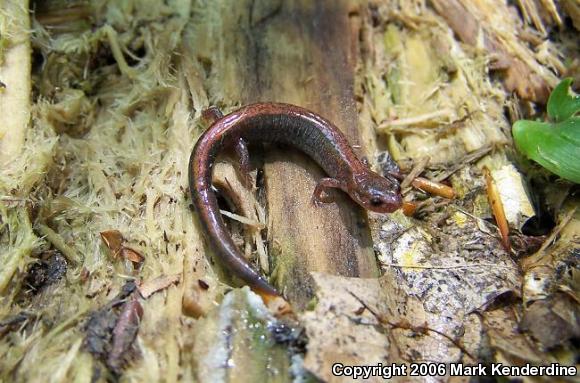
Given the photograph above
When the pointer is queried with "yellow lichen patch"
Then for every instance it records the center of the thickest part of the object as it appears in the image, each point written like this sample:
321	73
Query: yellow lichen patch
409	258
460	218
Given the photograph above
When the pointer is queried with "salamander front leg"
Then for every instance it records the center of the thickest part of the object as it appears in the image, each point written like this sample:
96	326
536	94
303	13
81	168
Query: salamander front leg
244	169
321	194
212	114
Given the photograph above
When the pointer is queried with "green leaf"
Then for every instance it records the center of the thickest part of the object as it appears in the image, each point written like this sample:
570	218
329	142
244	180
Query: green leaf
563	102
554	146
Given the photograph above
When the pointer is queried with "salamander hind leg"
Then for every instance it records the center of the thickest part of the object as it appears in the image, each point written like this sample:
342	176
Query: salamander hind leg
321	194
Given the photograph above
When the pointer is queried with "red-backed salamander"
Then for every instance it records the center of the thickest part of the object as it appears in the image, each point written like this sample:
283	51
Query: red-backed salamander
289	125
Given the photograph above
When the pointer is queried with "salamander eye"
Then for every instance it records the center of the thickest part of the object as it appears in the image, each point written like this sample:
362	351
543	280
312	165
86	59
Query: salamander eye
376	200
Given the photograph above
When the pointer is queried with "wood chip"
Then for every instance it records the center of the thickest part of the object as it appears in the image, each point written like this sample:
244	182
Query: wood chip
132	255
113	240
151	287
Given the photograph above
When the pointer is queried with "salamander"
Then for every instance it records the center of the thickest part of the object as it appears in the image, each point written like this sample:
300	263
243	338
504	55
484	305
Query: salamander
290	125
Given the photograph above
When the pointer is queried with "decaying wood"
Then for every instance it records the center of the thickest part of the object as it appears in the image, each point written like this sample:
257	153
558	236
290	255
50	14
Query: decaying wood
475	22
334	238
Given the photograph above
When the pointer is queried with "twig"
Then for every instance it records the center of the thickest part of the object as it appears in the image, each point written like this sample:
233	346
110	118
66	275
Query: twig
406	325
427	267
58	242
462	162
414	173
385	125
244	220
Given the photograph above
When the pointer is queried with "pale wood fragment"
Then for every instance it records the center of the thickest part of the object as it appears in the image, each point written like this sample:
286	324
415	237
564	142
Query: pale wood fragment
15	85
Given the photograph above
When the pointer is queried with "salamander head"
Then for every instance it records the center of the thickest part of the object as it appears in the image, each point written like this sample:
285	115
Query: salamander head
376	193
